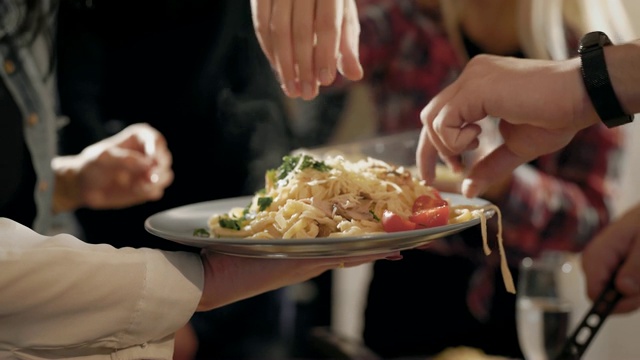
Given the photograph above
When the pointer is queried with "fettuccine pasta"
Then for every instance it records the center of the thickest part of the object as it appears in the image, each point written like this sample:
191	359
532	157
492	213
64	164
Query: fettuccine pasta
309	198
335	197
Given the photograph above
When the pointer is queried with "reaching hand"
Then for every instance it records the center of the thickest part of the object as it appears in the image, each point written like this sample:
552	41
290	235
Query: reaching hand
619	243
232	278
126	169
306	41
541	104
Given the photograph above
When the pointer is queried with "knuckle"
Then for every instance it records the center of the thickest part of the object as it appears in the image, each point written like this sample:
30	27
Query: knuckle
480	62
280	28
327	24
302	33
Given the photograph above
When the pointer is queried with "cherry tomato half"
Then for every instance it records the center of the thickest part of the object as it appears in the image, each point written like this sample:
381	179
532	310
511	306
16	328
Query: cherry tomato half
427	212
430	211
392	222
437	216
425	202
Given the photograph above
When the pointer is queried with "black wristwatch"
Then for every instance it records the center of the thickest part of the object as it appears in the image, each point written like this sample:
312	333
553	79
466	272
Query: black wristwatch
596	80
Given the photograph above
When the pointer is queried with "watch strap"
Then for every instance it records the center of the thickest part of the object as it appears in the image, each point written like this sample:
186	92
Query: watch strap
599	88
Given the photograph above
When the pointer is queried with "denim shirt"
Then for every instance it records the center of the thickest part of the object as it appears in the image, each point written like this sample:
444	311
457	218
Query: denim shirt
26	72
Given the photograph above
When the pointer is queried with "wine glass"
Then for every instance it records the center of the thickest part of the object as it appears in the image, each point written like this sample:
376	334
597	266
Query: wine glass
544	304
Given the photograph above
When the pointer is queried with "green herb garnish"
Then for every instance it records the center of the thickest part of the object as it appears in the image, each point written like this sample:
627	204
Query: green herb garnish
290	162
264	202
235	223
229	223
201	232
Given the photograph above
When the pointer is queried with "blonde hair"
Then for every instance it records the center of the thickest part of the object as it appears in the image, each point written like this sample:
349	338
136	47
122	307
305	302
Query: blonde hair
543	24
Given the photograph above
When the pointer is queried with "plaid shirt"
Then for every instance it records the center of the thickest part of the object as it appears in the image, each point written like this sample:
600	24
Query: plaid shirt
407	59
558	201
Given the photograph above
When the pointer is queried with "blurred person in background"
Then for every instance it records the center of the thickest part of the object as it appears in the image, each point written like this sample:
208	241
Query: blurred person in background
193	70
409	51
485	87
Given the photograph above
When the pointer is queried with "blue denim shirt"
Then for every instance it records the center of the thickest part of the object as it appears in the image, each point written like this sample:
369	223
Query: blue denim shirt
25	69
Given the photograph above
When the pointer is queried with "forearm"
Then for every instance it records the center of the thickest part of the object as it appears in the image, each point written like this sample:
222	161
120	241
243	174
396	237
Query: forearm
623	62
66	193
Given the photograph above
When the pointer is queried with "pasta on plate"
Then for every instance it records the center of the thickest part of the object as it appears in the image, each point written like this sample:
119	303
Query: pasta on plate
306	197
309	198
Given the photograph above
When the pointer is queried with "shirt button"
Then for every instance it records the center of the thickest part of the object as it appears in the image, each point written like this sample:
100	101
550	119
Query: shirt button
9	67
32	119
43	186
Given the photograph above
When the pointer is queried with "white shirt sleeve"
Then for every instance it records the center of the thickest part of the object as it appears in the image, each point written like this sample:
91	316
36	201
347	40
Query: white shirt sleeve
61	293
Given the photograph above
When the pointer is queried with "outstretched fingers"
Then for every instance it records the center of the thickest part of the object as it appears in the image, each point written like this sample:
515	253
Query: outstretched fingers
282	46
426	157
308	41
303	45
261	16
328	20
349	60
445	132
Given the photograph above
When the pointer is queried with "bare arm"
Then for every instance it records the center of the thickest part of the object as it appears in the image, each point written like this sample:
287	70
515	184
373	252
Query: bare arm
623	63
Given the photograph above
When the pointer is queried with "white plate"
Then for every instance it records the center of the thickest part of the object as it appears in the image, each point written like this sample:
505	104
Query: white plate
178	224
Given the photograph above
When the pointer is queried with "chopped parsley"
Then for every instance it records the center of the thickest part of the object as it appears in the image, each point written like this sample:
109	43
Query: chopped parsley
229	223
264	202
290	162
236	223
201	232
375	217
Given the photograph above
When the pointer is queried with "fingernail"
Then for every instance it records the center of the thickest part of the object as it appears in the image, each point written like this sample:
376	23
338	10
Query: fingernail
340	70
469	188
292	88
394	257
361	70
144	188
629	286
307	91
325	77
